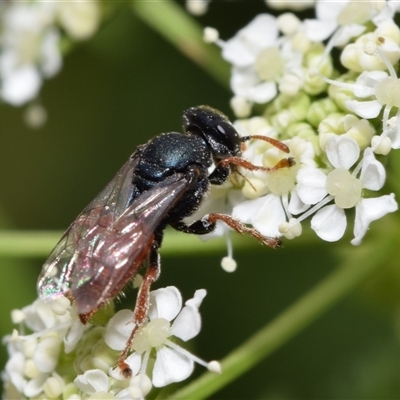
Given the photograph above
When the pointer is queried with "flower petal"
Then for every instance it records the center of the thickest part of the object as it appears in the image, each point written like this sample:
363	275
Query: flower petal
35	386
365	109
134	361
265	214
197	298
317	30
165	303
346	32
73	336
368	210
342	151
119	329
296	206
367	82
187	324
263	92
329	223
171	366
311	186
260	33
373	173
394	133
21	85
91	381
46	353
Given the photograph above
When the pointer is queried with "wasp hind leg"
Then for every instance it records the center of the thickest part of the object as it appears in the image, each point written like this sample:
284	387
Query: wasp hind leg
142	302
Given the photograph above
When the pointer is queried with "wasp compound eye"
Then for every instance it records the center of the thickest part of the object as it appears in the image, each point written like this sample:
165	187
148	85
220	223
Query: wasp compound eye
215	128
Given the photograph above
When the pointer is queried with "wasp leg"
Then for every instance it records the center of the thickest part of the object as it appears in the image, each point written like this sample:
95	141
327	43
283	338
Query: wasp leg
142	301
284	163
224	167
207	225
196	228
241	228
277	143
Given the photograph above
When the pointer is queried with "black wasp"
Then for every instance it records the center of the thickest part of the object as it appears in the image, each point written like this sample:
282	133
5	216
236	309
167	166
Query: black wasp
163	182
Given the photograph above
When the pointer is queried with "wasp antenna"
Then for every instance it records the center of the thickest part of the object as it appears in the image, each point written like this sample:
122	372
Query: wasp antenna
274	142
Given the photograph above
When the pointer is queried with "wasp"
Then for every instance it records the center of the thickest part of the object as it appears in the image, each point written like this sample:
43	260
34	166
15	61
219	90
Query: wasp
163	181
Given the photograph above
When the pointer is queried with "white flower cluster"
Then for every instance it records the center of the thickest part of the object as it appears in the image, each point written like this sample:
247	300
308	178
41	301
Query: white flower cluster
337	118
30	38
53	356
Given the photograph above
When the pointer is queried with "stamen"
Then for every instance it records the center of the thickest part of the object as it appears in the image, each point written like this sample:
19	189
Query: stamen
228	263
214	366
285	204
388	64
186	353
314	209
210	35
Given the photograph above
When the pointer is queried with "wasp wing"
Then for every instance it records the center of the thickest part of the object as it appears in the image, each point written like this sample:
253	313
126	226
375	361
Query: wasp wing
106	267
112	201
108	241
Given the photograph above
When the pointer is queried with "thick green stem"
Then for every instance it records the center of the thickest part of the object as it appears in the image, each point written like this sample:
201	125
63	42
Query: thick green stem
358	265
28	244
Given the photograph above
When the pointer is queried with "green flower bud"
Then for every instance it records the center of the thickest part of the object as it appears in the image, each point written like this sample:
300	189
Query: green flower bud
319	110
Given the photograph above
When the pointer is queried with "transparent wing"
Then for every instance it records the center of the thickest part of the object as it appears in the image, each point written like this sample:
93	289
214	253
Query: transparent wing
94	267
111	202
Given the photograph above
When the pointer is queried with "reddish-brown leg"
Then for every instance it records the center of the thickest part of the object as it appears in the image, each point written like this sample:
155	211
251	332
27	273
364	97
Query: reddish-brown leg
284	163
242	229
274	142
141	308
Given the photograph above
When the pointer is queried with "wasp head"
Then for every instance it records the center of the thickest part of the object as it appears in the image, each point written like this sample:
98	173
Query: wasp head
215	128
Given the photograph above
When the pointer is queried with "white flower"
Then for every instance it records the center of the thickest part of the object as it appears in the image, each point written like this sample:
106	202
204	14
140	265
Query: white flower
291	4
315	187
29	50
32	367
29	38
92	381
264	213
385	88
80	19
345	17
260	61
63	358
347	125
357	56
267	208
172	363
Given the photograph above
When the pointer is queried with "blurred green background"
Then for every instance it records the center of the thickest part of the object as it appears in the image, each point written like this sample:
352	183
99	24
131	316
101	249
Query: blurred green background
116	91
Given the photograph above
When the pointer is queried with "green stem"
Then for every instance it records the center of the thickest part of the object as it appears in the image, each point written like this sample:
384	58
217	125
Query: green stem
28	244
358	265
175	25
